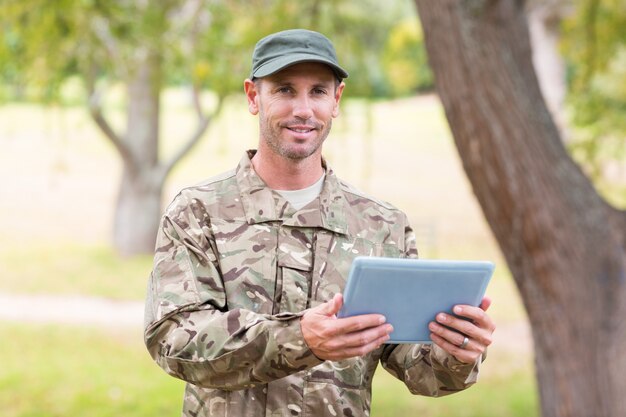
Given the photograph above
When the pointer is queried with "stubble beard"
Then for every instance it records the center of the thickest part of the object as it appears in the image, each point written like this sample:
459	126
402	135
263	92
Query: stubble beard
271	136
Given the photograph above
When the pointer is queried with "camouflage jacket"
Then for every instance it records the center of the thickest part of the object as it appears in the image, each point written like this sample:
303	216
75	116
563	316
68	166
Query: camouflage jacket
236	266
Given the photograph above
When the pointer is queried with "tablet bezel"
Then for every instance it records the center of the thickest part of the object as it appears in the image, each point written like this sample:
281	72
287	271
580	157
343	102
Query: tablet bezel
451	282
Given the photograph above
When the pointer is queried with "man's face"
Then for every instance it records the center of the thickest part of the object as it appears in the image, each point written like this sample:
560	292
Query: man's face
295	107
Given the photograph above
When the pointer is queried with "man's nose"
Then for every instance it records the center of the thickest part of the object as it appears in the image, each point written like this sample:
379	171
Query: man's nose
302	107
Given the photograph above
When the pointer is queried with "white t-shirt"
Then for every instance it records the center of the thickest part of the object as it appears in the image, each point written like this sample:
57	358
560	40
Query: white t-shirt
300	198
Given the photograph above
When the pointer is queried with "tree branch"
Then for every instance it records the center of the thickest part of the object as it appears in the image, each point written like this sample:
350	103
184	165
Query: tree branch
186	20
203	123
101	29
95	110
191	16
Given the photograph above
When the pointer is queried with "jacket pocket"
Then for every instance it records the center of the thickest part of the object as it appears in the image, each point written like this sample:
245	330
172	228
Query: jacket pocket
295	262
246	255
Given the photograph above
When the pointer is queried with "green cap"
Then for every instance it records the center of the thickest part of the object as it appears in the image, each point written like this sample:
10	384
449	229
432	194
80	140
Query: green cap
282	49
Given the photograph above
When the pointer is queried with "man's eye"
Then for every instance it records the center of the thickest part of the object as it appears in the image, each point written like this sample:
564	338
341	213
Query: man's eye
319	91
284	90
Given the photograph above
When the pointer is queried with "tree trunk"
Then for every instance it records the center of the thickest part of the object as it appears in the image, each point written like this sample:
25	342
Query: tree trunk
139	60
139	199
137	214
564	245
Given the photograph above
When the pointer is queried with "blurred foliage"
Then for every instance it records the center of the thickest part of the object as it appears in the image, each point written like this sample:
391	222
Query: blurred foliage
594	45
205	43
405	59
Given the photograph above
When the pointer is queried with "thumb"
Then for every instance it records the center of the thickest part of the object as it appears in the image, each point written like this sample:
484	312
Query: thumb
332	306
485	303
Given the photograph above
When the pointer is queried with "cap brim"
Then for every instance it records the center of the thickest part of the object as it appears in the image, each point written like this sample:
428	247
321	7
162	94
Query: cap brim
275	65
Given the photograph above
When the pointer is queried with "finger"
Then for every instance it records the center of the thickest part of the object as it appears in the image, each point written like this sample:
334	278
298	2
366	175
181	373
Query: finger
364	337
361	322
486	303
469	328
475	314
463	355
461	325
451	336
351	352
477	344
336	304
332	306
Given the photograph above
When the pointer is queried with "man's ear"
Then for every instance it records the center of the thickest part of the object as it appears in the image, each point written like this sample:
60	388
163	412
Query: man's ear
338	93
252	94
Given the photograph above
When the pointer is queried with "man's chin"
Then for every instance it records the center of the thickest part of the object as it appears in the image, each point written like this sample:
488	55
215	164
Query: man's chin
293	149
297	155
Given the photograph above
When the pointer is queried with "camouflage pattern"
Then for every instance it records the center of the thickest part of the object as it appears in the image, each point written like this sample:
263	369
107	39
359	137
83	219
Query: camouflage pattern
236	266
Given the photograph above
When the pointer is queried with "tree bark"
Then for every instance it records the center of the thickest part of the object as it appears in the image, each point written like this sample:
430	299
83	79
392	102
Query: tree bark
138	203
564	245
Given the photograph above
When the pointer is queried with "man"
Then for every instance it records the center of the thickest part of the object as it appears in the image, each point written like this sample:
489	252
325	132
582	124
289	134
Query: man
250	265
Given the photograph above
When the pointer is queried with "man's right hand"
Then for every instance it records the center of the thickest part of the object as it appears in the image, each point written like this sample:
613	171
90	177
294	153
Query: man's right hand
330	338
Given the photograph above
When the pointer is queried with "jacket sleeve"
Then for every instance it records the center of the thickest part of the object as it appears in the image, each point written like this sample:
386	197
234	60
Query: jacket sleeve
191	333
427	369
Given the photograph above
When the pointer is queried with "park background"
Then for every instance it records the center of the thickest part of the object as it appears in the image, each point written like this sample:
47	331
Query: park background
61	179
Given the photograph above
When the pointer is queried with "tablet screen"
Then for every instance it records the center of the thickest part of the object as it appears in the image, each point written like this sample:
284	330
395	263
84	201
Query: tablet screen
410	292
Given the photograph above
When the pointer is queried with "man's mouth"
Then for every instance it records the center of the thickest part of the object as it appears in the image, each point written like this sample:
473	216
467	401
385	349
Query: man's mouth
300	129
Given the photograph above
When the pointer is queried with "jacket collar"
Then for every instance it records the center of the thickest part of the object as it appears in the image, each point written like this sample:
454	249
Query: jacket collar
261	204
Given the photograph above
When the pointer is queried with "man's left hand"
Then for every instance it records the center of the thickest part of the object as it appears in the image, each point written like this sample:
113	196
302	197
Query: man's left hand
449	332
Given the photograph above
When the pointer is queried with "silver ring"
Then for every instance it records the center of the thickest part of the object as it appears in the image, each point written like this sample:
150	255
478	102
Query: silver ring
465	342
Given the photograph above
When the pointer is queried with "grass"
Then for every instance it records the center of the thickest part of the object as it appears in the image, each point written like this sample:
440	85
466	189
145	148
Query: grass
72	269
511	395
76	371
73	371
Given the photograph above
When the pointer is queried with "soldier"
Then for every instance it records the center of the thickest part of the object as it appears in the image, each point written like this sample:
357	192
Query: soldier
250	266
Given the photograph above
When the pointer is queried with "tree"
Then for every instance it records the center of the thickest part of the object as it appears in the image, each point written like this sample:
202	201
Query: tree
137	44
147	45
564	244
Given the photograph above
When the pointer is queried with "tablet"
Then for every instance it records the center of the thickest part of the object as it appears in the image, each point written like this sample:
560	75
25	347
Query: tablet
410	292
